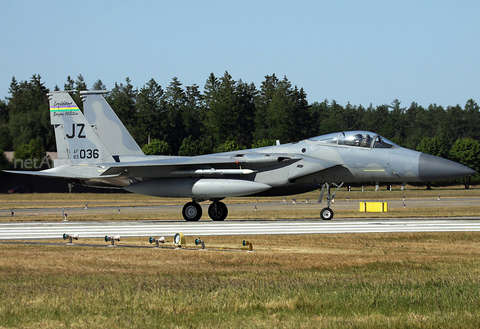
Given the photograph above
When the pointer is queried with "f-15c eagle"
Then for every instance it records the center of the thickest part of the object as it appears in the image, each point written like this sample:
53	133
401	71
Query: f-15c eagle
95	149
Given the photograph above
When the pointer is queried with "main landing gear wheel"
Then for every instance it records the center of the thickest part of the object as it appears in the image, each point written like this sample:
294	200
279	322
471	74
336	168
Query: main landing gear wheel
192	211
326	213
217	211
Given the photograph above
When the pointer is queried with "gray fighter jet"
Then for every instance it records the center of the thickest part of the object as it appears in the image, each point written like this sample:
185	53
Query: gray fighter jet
95	149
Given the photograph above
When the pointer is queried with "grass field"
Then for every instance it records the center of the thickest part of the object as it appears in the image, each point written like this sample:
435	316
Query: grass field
422	280
396	280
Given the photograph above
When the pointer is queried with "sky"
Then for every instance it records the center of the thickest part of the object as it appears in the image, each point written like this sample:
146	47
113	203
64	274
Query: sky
357	52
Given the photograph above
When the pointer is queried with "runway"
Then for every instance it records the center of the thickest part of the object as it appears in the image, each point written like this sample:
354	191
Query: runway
32	229
55	230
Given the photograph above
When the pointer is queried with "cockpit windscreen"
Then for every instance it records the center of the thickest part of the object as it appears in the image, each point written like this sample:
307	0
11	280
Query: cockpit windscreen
364	139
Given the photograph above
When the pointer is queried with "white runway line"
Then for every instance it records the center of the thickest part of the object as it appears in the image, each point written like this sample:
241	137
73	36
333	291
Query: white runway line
53	230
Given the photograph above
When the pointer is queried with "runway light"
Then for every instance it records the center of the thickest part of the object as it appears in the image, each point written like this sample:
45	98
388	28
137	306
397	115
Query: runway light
157	241
198	241
70	237
112	239
248	244
179	240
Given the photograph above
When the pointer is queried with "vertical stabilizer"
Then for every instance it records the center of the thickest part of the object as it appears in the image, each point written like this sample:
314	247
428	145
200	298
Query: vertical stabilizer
107	125
77	143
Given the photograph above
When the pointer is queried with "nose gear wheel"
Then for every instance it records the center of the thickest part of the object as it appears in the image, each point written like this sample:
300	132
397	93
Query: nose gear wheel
327	213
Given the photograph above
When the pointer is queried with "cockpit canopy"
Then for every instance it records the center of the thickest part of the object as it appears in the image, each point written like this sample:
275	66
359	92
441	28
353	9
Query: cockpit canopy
364	139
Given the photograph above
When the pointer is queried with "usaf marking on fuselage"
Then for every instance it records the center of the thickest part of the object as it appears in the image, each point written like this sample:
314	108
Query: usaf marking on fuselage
96	149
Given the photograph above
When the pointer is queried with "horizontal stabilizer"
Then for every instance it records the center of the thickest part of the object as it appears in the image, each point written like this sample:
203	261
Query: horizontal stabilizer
60	174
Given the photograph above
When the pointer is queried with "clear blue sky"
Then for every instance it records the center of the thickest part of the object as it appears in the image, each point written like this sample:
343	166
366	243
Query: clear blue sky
360	52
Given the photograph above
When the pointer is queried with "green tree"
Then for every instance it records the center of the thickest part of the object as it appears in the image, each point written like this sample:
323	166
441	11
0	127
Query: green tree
275	110
228	146
472	119
123	100
416	125
210	88
193	112
149	112
333	120
175	105
4	163
156	147
245	108
454	124
191	147
302	119
29	115
438	125
31	156
433	146
6	140
467	152
98	85
223	111
69	85
230	111
75	86
263	143
319	113
396	122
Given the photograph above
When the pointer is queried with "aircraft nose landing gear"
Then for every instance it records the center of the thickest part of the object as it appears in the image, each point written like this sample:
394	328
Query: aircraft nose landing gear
327	213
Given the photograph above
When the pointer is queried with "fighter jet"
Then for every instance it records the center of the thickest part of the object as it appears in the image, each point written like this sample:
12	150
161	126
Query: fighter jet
96	149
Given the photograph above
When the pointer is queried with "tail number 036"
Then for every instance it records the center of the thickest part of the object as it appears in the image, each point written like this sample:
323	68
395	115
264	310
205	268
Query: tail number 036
86	154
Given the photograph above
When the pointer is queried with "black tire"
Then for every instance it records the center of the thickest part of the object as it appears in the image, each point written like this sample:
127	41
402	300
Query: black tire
217	211
192	211
326	213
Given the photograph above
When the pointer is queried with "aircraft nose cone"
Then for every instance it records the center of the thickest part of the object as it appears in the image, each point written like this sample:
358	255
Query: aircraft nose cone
434	168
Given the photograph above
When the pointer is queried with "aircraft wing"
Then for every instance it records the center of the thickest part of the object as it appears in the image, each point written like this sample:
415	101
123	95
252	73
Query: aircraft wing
230	163
215	164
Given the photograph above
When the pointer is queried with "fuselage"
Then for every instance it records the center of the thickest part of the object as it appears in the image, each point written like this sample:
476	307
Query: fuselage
283	169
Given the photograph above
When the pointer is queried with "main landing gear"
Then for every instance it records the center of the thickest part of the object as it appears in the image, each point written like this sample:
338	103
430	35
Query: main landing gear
327	213
192	211
217	211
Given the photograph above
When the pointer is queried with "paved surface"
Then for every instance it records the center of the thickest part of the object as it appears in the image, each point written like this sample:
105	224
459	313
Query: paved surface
33	209
43	230
53	230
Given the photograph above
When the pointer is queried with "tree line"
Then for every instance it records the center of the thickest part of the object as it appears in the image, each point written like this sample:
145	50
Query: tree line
230	114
